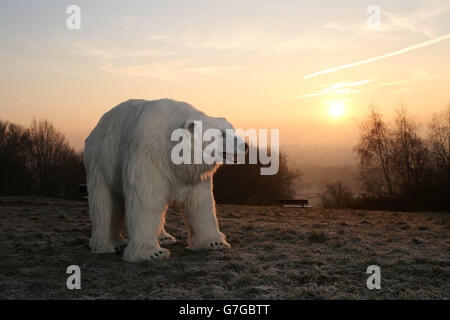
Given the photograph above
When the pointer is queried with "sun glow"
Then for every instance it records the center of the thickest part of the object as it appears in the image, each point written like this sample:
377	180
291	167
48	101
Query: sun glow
336	109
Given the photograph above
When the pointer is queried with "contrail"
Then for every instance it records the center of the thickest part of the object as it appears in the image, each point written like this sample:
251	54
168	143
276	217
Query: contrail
395	53
344	90
341	87
345	85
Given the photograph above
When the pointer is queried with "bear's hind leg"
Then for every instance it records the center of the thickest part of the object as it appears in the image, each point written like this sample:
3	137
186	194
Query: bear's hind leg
107	216
117	224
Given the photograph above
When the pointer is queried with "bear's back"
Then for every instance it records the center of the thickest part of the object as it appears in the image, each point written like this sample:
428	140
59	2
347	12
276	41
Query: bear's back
138	122
126	117
154	111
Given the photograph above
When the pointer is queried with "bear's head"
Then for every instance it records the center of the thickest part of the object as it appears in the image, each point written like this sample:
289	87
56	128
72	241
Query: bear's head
218	140
206	143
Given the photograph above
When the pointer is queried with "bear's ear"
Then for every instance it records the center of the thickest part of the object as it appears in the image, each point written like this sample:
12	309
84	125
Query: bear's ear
189	125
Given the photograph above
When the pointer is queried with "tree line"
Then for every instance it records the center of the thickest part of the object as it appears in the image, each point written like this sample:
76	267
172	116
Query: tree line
38	160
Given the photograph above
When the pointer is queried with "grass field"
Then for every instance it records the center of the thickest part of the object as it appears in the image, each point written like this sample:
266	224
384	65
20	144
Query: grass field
277	253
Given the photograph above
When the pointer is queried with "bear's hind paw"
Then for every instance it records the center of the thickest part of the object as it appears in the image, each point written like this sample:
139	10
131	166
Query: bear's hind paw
166	240
147	254
219	245
120	244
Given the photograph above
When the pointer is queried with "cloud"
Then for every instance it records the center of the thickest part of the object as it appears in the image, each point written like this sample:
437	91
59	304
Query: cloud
167	71
395	53
114	53
212	70
171	71
393	83
341	91
157	37
422	20
417	21
256	40
161	64
352	27
400	91
417	76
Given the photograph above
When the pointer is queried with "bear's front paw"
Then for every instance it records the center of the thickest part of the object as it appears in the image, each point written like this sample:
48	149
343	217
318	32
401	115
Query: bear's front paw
120	244
159	254
219	244
166	240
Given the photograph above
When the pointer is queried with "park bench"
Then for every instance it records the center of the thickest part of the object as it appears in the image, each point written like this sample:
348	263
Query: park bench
82	190
294	203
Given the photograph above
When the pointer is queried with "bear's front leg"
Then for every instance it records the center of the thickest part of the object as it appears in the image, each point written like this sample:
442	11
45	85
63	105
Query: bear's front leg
143	218
201	220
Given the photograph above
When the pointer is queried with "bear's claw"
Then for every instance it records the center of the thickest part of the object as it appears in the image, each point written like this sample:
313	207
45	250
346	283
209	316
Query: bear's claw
120	247
146	254
120	244
219	245
167	240
159	254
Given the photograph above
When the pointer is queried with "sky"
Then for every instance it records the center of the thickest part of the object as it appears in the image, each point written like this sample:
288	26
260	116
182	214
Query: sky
308	68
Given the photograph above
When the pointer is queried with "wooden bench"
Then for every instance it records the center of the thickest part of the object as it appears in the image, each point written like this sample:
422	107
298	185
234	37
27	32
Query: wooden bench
294	203
82	190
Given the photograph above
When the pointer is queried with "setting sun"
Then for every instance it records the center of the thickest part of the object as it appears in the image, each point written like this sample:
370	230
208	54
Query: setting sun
336	110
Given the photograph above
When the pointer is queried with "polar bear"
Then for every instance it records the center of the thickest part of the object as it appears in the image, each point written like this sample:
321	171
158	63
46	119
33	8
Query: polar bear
131	179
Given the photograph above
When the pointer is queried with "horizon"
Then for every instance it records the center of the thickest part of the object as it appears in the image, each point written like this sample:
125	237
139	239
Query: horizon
308	69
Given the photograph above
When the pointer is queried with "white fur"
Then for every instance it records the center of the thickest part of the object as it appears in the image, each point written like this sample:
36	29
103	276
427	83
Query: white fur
131	178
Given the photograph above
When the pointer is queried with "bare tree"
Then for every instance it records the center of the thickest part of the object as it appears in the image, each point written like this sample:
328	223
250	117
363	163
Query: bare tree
410	156
56	165
337	196
415	172
439	144
15	175
375	155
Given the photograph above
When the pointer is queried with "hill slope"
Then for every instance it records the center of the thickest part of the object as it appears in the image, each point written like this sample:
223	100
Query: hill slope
277	253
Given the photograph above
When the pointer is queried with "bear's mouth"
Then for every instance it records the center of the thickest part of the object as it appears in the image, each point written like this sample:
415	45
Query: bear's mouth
233	157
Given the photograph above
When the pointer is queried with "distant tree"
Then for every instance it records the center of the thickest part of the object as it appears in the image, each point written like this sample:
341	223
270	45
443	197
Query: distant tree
15	173
409	156
439	146
336	196
374	151
244	183
56	165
